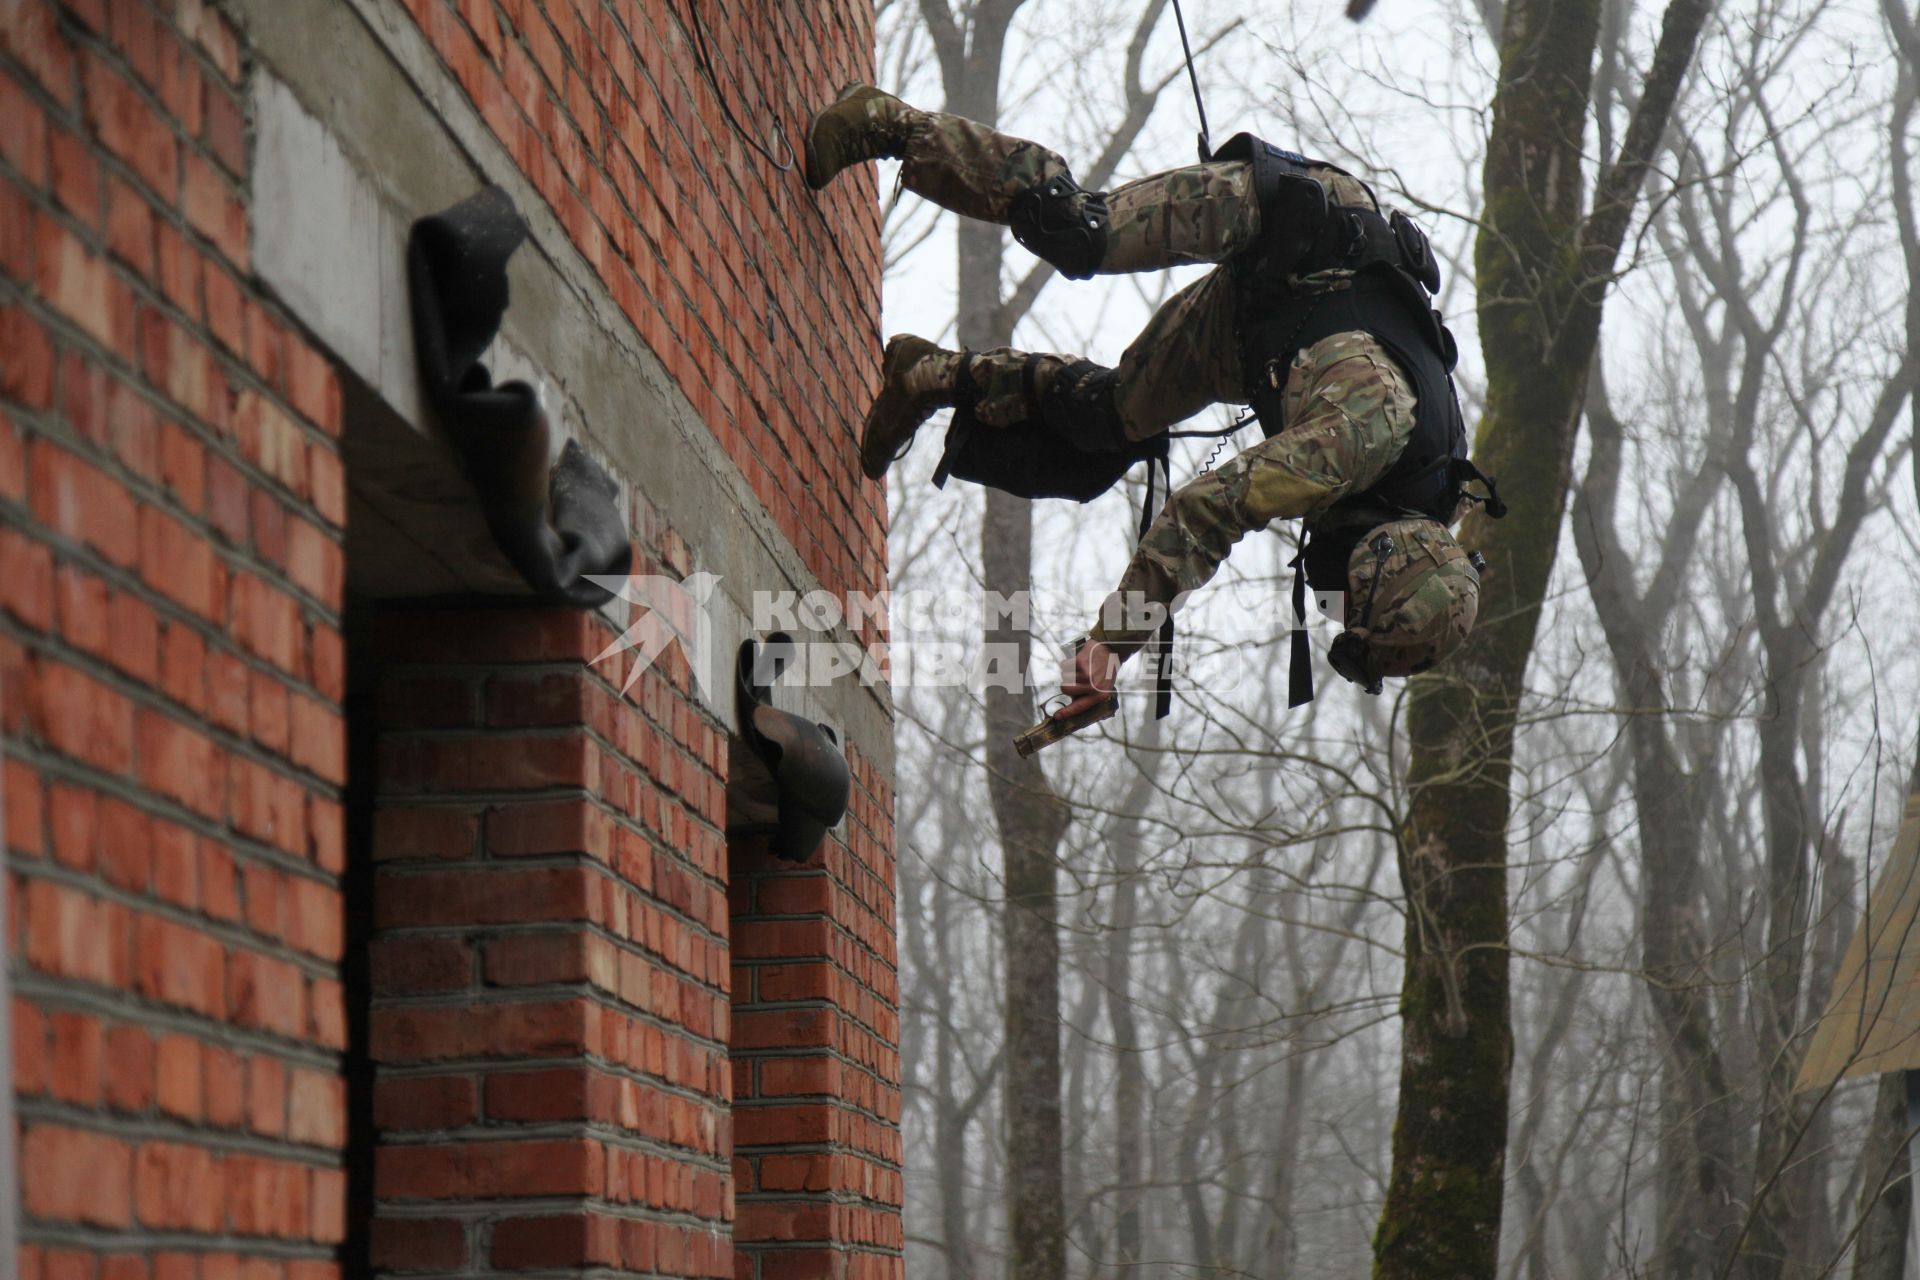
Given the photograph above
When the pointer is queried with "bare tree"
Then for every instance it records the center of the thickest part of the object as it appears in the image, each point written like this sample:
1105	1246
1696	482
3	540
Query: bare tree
1790	608
1226	959
970	44
1697	1169
1543	272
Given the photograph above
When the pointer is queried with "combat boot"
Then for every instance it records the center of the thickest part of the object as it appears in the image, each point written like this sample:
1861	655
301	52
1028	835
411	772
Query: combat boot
919	379
864	123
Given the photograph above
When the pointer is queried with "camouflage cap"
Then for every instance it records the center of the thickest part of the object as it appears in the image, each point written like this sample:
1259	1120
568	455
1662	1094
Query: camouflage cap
1424	603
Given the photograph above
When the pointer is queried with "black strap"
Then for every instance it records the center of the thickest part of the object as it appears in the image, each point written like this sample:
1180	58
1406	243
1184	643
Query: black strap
963	421
1214	433
1466	470
956	438
1411	487
1161	646
1300	662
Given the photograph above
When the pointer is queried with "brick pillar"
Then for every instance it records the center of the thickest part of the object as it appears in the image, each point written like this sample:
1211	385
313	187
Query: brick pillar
172	502
549	963
816	1062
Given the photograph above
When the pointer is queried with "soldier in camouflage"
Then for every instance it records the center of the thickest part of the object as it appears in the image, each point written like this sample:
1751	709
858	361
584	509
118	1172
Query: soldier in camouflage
1349	408
1349	411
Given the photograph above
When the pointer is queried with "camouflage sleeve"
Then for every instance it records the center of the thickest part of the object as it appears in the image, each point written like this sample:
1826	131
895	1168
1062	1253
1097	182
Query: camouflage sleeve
1348	414
1199	526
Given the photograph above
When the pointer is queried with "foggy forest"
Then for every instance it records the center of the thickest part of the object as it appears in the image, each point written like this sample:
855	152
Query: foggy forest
1512	969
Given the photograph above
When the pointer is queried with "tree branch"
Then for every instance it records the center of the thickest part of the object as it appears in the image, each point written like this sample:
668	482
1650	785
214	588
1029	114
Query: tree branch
1618	188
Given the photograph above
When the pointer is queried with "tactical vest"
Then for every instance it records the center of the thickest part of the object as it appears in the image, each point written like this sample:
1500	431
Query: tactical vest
1388	295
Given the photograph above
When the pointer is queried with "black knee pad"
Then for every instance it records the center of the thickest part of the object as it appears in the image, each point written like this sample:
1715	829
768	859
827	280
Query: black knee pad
1052	225
1080	404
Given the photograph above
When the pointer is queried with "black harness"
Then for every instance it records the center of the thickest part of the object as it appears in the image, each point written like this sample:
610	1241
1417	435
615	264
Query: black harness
1288	303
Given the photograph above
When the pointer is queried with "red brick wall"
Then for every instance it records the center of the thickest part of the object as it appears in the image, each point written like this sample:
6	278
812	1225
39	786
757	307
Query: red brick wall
171	503
762	299
549	963
559	925
816	1063
559	1002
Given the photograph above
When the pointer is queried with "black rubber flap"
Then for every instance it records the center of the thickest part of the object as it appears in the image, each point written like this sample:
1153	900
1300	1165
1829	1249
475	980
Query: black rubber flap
560	525
808	766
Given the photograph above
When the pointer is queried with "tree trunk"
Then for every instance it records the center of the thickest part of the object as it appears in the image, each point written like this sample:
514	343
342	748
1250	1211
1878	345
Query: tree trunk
1129	1093
1130	1075
1282	1239
1029	817
1080	1121
952	1116
1031	820
1542	272
1777	1208
1192	1199
1442	1212
1886	1196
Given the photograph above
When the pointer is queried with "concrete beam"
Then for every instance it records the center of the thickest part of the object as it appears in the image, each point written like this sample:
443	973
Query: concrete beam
358	130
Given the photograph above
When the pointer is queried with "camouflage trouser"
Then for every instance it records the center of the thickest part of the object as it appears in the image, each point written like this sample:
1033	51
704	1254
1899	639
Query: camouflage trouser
1187	357
1349	412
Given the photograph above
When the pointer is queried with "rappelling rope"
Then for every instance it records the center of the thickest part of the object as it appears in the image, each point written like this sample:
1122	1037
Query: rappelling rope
1162	642
1206	150
703	56
1206	154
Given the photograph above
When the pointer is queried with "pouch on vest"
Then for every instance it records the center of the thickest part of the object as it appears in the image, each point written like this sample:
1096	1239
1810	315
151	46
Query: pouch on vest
1032	460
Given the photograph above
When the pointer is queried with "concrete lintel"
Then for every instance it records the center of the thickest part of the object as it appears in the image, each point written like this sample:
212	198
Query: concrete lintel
370	131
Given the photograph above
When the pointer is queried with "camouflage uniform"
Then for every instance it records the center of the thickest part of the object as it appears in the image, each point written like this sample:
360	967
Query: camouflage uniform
1348	411
1188	356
